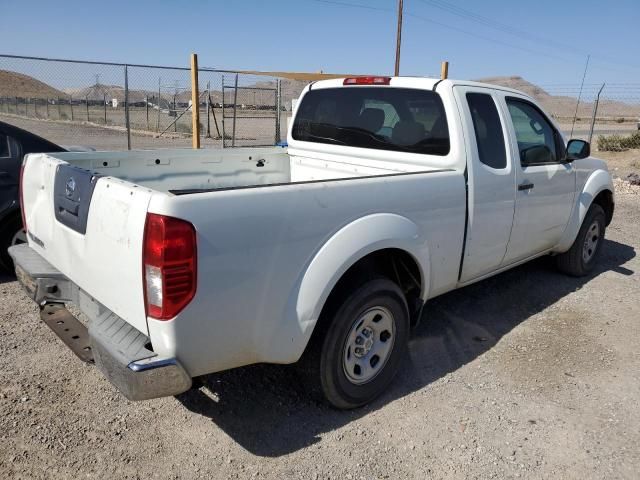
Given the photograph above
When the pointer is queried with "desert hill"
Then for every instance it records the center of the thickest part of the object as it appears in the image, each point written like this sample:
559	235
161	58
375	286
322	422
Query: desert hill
14	83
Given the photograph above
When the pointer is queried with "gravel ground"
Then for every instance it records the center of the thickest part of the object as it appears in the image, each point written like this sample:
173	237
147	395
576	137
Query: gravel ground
530	374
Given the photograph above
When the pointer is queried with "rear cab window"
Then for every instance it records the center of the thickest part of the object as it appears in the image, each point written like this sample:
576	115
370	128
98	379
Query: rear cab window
384	118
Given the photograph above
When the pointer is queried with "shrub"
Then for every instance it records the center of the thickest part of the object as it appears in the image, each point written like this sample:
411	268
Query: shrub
620	120
618	143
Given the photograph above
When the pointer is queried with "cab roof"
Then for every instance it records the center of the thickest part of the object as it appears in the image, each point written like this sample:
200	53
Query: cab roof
426	83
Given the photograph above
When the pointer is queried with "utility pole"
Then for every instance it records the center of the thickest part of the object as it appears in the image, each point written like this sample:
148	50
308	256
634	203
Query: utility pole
398	38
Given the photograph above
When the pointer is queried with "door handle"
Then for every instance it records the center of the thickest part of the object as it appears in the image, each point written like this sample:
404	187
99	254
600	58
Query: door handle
525	186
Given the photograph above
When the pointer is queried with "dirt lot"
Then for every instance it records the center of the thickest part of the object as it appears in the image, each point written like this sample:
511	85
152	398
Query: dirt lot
530	374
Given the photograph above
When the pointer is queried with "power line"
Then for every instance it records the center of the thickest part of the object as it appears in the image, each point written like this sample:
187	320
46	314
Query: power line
444	25
354	5
505	28
489	39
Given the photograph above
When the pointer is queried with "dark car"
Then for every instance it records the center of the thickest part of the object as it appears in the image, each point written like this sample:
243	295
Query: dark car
15	143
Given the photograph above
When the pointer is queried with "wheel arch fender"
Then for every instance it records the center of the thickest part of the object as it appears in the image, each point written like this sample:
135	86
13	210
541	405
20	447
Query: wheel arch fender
599	181
338	253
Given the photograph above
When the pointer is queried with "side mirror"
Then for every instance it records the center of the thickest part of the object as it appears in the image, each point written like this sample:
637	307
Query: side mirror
577	149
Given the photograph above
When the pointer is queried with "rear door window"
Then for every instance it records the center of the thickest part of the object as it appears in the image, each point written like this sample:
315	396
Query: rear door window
486	124
398	119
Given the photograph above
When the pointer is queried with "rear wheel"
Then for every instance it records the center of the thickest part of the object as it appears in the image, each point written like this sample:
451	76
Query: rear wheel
580	259
11	233
363	343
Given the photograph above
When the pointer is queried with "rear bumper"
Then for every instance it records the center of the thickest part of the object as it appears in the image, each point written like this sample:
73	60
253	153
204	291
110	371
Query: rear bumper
121	353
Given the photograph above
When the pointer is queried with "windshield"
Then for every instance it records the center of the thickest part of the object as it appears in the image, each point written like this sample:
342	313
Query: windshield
399	119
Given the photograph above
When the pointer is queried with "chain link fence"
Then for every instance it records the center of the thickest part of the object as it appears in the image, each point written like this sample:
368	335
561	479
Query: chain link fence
607	114
110	106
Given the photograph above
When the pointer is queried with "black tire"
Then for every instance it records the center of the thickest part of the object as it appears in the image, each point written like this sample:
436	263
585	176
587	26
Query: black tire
324	360
7	232
573	261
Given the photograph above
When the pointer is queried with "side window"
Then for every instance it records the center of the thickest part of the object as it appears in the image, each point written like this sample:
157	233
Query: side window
4	146
535	135
486	124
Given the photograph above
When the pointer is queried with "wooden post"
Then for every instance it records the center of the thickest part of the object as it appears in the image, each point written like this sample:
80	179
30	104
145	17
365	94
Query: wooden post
444	70
195	103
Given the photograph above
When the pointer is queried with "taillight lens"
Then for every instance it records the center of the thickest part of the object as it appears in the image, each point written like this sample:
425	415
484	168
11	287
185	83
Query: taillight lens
169	265
367	81
21	196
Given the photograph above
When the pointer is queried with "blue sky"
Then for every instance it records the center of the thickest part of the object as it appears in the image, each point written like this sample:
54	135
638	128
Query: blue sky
545	41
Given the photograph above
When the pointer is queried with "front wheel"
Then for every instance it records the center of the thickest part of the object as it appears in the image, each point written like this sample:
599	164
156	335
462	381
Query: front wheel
580	259
362	346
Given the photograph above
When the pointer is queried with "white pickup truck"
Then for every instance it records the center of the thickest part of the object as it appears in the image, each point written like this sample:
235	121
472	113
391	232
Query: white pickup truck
391	191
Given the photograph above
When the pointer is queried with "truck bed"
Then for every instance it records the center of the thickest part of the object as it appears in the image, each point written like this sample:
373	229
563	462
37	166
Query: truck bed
189	171
85	212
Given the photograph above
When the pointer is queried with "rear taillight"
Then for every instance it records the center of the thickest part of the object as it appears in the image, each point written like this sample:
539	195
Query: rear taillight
169	265
21	196
367	81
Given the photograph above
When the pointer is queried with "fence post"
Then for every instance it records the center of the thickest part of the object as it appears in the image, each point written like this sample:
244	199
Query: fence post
126	105
195	103
278	107
444	70
47	109
86	101
104	103
595	111
235	110
207	104
146	105
223	132
158	105
71	106
59	110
